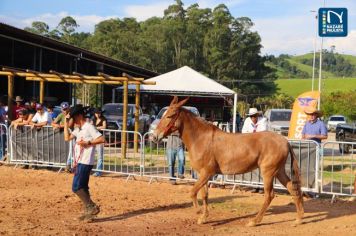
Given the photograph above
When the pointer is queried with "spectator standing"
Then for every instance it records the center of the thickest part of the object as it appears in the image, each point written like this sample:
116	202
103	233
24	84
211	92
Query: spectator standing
2	129
314	128
58	123
175	150
24	119
51	113
252	124
87	137
41	117
19	106
99	121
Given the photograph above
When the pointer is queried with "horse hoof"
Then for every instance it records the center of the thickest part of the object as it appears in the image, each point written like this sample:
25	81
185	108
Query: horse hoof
251	224
297	222
198	211
201	221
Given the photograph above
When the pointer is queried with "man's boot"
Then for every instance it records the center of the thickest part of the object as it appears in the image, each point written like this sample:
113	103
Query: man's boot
90	208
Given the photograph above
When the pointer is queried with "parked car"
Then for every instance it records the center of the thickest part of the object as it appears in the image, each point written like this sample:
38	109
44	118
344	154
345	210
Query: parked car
157	119
113	113
278	120
334	120
346	133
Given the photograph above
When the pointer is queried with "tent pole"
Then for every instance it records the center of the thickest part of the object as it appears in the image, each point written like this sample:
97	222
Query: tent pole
234	115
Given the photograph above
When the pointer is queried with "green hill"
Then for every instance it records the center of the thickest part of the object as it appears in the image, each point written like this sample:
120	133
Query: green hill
297	62
294	87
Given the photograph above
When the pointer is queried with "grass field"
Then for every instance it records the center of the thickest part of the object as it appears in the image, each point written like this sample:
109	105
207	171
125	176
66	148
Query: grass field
295	87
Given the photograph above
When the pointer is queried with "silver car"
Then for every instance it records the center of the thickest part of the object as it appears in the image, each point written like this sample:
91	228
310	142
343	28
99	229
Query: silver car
278	120
154	124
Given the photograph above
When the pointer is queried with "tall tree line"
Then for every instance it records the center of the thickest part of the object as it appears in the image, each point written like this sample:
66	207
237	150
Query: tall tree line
211	41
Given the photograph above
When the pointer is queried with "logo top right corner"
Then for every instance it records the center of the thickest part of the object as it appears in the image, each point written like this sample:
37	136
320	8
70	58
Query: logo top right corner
332	22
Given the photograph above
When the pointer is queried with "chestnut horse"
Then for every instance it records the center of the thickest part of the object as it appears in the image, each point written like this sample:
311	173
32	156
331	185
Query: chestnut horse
212	151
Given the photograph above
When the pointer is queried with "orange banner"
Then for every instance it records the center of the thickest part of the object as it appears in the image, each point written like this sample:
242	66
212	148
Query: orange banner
298	119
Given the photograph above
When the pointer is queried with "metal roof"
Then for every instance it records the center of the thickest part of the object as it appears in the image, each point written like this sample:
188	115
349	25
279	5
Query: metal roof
14	33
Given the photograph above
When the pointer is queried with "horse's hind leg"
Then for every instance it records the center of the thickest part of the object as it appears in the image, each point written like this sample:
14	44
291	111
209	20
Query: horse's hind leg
295	191
269	195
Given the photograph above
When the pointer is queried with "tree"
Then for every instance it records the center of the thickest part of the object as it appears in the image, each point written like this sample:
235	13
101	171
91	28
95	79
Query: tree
38	27
66	28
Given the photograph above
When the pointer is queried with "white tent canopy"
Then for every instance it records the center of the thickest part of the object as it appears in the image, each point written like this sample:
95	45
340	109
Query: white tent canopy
186	81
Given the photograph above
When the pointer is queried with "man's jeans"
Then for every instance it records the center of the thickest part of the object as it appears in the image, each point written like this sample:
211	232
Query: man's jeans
70	153
172	153
100	158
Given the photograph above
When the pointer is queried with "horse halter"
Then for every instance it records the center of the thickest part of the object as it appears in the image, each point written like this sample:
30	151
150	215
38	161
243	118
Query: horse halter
171	124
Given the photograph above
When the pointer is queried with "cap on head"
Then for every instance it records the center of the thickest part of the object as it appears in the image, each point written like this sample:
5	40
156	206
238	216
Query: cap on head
64	105
39	106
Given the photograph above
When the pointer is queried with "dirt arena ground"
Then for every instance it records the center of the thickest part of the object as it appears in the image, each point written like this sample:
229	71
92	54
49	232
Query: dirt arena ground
40	202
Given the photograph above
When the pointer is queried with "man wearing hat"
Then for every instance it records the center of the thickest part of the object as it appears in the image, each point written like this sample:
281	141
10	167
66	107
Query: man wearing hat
58	123
17	107
314	128
87	137
254	122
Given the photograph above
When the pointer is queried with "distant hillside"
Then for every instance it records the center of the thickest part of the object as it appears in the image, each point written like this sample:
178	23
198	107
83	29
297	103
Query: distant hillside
297	67
295	87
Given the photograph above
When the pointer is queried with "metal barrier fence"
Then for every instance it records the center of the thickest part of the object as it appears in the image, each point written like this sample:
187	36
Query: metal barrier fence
110	158
3	141
307	153
338	168
39	147
156	164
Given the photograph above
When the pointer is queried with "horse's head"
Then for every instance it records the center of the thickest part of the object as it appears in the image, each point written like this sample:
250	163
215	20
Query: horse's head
169	122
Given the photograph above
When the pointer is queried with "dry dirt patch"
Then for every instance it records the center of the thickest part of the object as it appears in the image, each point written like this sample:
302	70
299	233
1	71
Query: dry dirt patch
40	202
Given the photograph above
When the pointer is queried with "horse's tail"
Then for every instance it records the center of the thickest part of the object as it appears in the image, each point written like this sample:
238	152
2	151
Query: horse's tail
296	181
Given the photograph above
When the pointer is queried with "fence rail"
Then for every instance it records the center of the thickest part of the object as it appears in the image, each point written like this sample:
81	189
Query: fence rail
3	141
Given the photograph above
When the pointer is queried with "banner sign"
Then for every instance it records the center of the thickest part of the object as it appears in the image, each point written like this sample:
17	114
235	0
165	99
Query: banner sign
332	22
298	119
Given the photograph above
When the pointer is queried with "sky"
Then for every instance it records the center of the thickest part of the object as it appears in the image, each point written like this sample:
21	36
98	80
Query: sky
285	26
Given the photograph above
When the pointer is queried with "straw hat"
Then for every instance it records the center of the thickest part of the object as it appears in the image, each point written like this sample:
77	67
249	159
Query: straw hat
312	110
253	111
18	99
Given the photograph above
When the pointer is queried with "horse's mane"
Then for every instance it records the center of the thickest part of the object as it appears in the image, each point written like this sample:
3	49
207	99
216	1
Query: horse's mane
198	118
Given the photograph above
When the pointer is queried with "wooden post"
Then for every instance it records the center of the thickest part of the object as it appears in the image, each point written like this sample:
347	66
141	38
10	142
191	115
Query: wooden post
137	106
41	91
10	96
124	120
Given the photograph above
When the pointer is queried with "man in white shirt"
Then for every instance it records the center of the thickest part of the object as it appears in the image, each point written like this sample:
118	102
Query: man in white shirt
41	117
254	122
87	137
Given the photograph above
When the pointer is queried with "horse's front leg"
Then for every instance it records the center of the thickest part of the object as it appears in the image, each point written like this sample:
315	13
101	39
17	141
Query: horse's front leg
203	179
204	196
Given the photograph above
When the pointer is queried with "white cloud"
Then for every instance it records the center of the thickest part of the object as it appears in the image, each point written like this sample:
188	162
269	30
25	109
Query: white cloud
86	22
296	35
344	45
143	12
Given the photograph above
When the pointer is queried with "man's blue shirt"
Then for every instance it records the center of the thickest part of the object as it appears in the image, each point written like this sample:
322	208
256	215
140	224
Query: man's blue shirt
316	128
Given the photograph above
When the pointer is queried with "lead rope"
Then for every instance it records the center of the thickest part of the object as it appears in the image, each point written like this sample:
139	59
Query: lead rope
76	159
